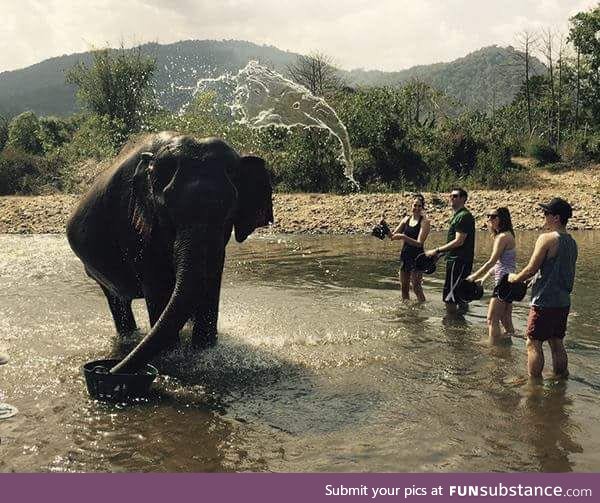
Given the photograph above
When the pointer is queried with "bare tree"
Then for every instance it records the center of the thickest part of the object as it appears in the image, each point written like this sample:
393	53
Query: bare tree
318	73
418	94
561	51
527	42
547	46
578	87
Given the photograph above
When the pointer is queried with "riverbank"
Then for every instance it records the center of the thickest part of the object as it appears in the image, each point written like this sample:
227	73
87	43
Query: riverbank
356	213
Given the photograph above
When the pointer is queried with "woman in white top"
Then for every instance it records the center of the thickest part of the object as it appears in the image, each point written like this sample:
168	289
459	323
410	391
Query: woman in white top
501	262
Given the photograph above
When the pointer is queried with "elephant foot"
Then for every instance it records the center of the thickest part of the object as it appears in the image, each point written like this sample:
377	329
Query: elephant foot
204	341
131	334
170	344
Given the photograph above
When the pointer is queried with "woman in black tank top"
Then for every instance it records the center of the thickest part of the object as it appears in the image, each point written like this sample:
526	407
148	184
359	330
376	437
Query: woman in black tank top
413	231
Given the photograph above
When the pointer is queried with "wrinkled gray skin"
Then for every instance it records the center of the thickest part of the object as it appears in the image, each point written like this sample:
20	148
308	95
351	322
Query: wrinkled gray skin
155	226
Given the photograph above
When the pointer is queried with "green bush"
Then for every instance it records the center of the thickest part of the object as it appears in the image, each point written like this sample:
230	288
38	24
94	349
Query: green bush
23	133
3	132
25	173
592	147
581	147
495	169
444	179
310	163
541	151
97	137
53	132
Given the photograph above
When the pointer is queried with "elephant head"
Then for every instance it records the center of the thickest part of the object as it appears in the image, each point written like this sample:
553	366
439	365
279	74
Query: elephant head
190	193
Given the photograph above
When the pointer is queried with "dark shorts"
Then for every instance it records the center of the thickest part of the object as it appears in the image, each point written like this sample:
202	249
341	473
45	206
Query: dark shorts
495	295
407	258
544	323
456	271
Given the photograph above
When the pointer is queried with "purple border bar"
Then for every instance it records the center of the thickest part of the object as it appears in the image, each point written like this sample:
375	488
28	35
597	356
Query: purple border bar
292	488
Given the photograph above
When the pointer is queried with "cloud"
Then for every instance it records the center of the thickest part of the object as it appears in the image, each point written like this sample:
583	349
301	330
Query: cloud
384	34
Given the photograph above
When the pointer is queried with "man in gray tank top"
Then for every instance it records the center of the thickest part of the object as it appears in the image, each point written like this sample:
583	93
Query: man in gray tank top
552	266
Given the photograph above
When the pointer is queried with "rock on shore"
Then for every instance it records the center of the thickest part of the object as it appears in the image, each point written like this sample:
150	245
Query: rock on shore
356	213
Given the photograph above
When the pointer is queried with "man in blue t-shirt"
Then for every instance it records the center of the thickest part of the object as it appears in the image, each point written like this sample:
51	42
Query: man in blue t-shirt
459	248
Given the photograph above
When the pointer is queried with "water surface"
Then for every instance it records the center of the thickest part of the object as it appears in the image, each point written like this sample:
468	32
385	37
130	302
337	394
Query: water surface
319	367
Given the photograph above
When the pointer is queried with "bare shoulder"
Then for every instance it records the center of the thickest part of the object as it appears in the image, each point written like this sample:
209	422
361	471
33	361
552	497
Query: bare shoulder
548	238
548	241
506	239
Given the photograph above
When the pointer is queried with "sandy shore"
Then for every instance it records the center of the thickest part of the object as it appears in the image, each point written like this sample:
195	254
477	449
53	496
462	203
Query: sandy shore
357	213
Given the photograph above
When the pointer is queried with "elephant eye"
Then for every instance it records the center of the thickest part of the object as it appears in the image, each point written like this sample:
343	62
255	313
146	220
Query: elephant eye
163	172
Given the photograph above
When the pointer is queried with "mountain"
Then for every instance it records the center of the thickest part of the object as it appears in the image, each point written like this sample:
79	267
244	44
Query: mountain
42	88
488	75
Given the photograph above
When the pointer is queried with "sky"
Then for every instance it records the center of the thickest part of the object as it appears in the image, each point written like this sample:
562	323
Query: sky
371	34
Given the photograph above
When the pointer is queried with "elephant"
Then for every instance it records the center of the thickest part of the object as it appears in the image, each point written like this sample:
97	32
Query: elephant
155	226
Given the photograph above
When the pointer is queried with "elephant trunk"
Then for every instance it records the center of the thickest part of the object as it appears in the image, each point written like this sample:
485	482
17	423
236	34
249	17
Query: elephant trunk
194	250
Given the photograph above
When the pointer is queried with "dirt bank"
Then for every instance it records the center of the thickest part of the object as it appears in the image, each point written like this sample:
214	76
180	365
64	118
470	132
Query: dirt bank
331	214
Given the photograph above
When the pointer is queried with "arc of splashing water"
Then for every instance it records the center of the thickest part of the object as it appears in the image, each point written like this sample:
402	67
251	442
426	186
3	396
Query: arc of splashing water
263	98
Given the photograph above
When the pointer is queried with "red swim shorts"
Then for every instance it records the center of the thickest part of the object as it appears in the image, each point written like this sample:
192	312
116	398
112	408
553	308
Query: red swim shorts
544	323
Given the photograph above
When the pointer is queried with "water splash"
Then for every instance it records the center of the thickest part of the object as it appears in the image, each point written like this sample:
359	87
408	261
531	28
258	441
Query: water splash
260	97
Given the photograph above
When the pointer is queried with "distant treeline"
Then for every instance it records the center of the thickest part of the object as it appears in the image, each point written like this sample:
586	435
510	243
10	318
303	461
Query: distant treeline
403	138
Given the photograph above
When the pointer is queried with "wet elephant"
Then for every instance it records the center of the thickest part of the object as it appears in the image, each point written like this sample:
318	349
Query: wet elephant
155	226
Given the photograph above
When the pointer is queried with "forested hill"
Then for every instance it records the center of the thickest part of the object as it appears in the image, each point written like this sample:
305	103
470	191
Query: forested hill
491	74
42	88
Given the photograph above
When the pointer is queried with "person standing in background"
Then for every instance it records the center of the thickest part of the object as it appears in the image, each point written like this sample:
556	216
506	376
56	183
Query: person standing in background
413	231
502	261
552	265
459	249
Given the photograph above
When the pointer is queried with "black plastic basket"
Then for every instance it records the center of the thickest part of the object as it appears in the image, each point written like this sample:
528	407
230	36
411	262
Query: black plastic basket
102	385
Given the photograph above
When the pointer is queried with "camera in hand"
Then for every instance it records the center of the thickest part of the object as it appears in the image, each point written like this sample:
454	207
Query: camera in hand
381	230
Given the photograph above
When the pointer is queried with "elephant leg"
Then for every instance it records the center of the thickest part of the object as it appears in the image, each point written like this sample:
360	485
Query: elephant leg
204	333
121	311
155	303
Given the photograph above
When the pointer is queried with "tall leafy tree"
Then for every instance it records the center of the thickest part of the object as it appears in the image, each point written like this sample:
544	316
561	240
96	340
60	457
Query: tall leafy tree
23	133
585	36
117	84
3	132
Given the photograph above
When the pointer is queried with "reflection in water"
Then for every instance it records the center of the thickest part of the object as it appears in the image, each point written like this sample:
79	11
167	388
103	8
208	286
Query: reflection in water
319	367
548	427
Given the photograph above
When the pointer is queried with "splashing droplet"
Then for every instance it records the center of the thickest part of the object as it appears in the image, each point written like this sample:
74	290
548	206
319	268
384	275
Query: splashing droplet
259	97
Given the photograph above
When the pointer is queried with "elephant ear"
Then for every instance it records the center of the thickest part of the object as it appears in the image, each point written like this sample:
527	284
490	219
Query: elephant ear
254	203
139	212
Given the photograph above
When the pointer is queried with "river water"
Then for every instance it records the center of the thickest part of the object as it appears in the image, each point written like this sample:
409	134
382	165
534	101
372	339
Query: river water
319	367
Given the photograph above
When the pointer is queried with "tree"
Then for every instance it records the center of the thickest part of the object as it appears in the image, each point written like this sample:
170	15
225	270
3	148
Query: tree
585	36
527	41
547	47
117	84
318	73
23	133
423	103
3	132
54	132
